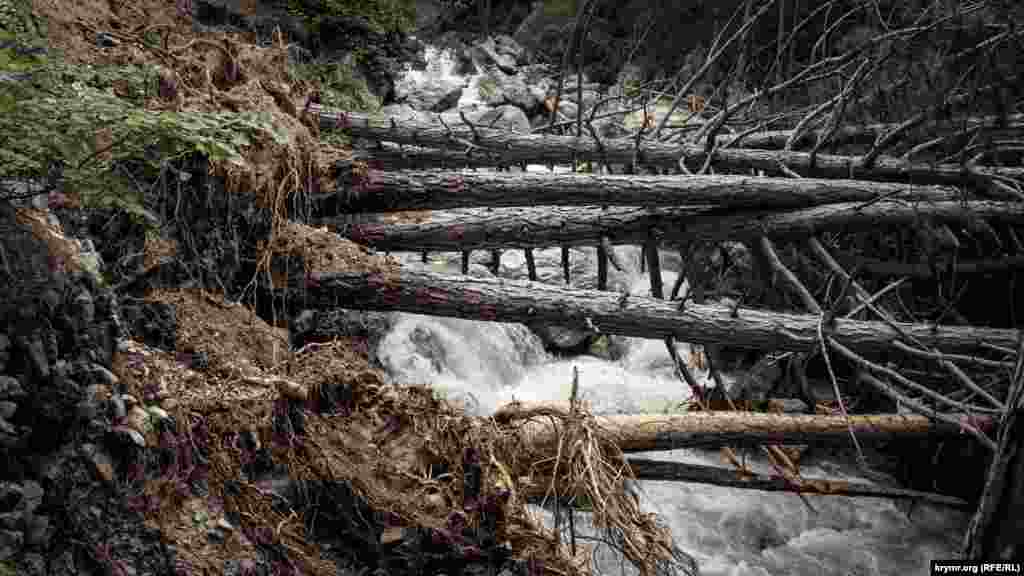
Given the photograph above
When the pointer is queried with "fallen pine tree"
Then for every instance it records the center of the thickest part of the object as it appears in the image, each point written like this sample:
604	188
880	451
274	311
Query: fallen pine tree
437	190
651	432
597	311
505	147
684	472
470	229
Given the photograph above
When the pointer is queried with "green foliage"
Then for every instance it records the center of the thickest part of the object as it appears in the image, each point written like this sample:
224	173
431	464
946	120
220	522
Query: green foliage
383	15
74	114
7	570
560	7
487	88
340	85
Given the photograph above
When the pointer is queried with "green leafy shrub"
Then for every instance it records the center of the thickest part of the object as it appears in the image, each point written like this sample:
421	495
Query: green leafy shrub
382	15
77	116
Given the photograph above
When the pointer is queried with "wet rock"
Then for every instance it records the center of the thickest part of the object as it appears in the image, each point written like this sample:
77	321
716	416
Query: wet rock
5	351
37	531
102	375
510	118
562	340
11	542
89	407
100	461
154	323
507	46
7	410
11	495
487	55
117	407
123	436
33	565
32	492
37	357
435	94
11	521
516	92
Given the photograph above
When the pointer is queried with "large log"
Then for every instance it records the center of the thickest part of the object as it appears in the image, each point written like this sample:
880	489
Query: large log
493	299
651	432
471	229
867	133
698	473
438	190
511	148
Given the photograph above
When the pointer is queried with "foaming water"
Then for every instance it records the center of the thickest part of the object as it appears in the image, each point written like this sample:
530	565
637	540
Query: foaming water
730	532
441	71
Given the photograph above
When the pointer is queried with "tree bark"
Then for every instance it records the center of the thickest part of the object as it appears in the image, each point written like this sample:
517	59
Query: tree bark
472	229
925	270
392	156
697	473
439	190
650	432
492	299
511	148
996	532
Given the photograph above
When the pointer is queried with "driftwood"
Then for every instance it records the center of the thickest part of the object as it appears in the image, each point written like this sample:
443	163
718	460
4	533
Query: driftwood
438	190
511	148
470	229
650	432
698	473
592	310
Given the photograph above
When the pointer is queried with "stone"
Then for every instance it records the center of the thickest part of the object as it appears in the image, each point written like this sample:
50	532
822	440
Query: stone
509	118
34	564
37	531
487	56
11	521
10	543
11	495
117	406
101	463
106	376
7	409
128	436
33	493
5	351
37	357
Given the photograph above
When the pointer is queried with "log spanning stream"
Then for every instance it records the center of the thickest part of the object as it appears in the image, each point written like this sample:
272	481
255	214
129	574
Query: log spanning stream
729	531
485	365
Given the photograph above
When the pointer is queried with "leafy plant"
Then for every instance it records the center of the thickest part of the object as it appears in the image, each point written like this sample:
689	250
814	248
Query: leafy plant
487	88
75	116
383	16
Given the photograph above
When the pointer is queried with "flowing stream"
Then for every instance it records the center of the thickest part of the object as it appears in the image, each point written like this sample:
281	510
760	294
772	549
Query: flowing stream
728	531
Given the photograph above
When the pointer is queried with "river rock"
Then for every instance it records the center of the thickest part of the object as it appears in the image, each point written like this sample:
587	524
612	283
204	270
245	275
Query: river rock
487	56
429	91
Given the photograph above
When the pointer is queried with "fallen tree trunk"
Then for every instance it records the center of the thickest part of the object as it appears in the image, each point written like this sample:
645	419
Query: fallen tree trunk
472	229
698	473
926	270
592	310
438	190
1010	125
646	433
510	148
